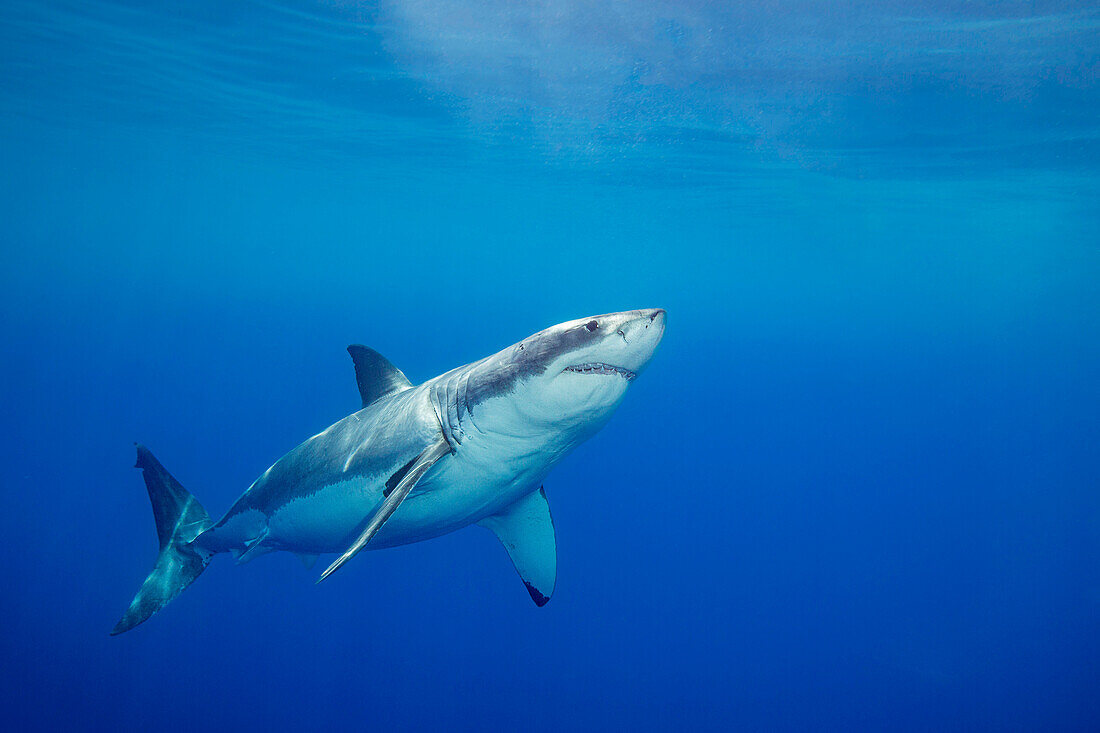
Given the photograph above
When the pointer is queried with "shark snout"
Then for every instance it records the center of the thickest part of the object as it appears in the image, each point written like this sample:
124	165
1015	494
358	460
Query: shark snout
645	324
641	331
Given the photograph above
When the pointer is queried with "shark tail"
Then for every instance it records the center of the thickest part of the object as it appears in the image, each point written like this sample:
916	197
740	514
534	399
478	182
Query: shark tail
179	519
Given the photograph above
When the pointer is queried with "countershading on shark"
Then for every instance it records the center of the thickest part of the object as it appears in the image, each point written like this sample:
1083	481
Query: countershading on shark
471	446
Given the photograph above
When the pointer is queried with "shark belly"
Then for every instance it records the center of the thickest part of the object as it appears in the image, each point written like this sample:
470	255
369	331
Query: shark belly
455	493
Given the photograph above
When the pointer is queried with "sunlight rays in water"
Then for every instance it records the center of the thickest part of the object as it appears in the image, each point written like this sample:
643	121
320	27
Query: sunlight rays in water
691	90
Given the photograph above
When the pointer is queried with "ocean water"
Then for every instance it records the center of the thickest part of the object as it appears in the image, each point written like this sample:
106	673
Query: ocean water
857	489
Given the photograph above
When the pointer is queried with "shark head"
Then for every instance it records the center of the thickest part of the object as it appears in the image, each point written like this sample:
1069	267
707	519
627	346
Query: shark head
579	370
564	380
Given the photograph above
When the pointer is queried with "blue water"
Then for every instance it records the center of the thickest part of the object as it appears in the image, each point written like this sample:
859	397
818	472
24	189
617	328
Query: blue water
857	489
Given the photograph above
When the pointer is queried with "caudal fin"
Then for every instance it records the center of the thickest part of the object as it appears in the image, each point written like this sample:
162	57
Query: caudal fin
180	519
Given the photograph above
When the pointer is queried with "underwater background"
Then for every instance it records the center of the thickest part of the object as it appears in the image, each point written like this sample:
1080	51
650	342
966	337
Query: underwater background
857	489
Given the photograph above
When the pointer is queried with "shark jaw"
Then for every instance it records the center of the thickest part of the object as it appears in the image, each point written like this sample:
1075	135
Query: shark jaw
601	368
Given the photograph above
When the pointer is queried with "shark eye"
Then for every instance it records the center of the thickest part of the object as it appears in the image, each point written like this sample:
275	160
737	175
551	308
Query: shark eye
591	325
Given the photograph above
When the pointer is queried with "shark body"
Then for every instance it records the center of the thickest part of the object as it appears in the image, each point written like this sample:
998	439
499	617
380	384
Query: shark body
470	446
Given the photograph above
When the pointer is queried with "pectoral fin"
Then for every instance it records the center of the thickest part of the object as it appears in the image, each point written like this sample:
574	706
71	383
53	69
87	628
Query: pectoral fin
526	530
419	467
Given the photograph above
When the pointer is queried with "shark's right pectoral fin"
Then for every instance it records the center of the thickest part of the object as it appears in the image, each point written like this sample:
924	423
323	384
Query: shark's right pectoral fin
412	474
526	530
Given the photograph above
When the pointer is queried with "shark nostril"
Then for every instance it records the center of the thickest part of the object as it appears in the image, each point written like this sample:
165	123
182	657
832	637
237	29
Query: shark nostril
592	325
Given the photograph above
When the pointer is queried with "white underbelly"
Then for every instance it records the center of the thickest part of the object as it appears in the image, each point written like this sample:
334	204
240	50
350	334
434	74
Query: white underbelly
455	494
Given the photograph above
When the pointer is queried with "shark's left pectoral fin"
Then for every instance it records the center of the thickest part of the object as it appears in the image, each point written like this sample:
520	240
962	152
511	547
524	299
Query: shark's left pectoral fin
526	530
419	467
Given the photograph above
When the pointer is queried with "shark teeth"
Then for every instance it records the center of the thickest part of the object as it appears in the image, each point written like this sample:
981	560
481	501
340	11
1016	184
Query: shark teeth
601	368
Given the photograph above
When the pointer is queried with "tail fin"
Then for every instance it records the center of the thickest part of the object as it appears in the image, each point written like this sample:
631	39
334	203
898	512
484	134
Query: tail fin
180	519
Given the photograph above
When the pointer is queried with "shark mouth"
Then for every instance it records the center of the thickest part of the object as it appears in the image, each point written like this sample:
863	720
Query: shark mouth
600	368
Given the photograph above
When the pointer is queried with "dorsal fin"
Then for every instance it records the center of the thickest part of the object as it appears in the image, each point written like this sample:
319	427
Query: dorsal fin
375	374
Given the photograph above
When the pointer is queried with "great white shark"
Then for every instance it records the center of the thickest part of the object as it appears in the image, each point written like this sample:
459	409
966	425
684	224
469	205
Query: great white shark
471	446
